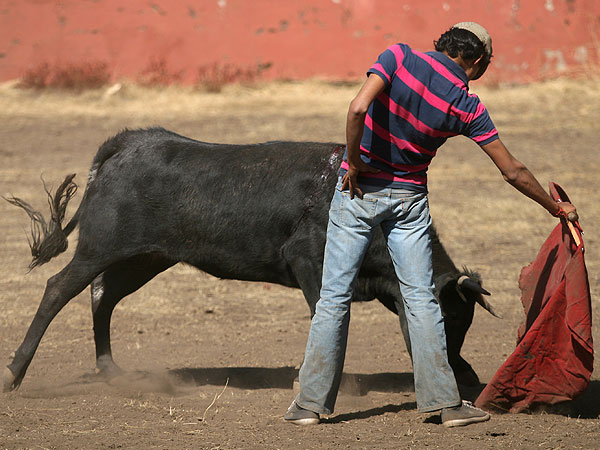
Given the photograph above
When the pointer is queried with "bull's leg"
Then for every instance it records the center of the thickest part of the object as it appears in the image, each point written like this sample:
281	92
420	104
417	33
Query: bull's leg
304	257
108	288
60	288
463	372
307	272
310	287
404	326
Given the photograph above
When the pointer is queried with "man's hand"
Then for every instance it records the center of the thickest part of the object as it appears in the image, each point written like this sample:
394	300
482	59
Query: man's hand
350	177
568	211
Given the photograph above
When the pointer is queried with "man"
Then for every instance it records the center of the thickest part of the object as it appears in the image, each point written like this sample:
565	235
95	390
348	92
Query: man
409	105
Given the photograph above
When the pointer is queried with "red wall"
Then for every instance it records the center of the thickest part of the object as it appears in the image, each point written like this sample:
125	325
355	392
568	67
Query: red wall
290	39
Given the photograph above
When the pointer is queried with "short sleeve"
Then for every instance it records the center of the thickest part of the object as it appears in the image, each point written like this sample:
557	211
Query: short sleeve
388	63
482	129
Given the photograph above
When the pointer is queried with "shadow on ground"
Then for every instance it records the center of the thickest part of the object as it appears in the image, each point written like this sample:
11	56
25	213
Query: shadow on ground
284	377
373	412
587	406
173	381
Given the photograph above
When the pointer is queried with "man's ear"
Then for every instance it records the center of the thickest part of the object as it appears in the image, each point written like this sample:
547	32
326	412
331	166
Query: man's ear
478	60
482	62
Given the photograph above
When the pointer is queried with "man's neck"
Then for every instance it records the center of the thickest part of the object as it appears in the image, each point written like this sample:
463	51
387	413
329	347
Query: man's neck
466	64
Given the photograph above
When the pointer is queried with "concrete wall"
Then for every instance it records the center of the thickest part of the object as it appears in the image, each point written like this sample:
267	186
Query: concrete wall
188	40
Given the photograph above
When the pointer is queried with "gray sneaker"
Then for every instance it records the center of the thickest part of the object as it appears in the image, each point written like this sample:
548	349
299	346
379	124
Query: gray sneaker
463	415
300	416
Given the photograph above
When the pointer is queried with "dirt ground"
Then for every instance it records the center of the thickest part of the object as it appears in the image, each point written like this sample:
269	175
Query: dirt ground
211	363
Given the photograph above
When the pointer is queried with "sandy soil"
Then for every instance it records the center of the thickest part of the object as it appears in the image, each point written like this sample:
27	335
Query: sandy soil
211	363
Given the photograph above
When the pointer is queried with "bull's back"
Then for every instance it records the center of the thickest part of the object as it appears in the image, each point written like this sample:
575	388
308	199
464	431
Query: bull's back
227	209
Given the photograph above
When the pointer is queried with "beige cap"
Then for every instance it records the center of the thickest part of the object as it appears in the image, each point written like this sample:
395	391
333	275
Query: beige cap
481	33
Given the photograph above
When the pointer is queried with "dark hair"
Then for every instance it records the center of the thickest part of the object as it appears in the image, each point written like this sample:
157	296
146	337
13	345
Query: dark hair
457	41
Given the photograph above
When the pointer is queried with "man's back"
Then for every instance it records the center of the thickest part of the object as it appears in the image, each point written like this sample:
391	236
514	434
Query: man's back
425	102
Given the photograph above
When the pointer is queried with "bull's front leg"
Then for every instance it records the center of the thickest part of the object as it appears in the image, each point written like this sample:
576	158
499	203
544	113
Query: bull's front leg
110	287
463	372
403	325
102	308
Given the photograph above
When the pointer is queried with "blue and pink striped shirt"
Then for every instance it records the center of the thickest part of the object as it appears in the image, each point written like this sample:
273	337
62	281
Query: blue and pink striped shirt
426	101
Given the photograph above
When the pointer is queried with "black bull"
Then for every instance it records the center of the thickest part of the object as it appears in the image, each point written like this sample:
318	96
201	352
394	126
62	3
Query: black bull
247	212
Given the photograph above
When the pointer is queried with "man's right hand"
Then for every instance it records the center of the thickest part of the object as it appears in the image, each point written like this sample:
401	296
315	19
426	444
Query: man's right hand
350	178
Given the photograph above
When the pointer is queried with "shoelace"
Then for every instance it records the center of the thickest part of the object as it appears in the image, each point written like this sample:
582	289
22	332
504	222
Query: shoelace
469	404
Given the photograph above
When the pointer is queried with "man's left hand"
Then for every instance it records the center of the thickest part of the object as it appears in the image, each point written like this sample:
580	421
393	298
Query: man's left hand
568	211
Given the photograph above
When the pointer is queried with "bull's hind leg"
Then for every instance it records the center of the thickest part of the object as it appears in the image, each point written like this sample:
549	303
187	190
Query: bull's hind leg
108	288
60	288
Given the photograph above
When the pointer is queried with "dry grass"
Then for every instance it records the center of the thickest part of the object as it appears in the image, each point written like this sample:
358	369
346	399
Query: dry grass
157	74
76	77
560	102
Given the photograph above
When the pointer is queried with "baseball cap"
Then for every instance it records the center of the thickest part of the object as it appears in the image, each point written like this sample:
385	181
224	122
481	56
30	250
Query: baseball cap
481	33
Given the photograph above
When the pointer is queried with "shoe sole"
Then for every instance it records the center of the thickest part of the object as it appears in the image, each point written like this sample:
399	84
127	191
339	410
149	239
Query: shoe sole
306	421
463	422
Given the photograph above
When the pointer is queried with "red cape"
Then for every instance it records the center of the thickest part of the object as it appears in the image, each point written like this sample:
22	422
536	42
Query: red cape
553	361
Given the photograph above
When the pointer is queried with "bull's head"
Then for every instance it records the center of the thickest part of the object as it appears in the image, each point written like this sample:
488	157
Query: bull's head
458	293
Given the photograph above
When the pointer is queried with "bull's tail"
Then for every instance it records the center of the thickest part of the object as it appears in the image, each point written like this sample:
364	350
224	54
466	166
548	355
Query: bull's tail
49	239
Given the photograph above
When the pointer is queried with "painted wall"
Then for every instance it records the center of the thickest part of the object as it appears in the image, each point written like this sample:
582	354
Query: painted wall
188	40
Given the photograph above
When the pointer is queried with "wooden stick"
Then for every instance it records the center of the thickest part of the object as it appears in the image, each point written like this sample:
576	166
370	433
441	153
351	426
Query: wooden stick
573	233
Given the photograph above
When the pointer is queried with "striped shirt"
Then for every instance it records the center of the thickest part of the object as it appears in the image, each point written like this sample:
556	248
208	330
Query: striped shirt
426	101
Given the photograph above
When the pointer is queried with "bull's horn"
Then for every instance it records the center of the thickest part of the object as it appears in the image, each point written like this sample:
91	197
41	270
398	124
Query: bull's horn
468	283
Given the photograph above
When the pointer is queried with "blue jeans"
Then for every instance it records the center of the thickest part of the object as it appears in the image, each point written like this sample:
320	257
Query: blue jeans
405	220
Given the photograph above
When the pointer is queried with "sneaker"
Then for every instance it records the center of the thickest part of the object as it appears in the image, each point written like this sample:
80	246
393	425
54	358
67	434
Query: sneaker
300	416
463	415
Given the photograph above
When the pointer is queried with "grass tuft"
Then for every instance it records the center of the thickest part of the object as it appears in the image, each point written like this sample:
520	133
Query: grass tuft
70	76
213	77
157	73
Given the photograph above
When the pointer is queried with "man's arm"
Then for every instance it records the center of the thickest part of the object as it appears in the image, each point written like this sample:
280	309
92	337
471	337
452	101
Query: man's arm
515	173
355	122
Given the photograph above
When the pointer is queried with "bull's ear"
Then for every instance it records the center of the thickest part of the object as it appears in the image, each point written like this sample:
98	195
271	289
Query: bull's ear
468	283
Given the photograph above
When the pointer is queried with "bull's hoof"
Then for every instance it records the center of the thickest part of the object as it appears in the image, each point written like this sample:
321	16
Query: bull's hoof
467	378
106	368
9	380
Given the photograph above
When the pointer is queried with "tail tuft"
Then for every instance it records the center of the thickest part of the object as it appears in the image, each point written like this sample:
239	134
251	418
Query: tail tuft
48	239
